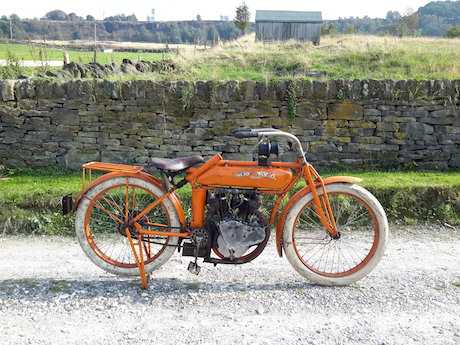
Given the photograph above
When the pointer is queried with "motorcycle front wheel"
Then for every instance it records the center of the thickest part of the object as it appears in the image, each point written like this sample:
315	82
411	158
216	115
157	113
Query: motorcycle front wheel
363	229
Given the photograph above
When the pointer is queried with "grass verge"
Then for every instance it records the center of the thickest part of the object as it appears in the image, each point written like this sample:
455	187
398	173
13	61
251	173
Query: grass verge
29	198
338	56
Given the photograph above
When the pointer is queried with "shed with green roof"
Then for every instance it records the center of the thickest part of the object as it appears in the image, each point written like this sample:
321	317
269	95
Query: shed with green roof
285	25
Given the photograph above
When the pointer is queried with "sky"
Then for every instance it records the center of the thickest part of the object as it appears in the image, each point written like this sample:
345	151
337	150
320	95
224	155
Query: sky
207	9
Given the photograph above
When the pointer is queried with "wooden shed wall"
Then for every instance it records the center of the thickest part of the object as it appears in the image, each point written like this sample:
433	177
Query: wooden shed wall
286	31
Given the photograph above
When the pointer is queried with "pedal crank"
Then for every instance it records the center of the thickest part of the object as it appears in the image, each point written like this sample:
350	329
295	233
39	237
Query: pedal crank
193	266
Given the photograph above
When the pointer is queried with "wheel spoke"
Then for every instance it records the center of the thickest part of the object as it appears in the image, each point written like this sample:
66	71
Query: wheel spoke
335	257
124	201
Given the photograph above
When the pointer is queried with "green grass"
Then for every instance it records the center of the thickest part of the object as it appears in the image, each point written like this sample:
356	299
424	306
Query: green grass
17	52
341	56
29	198
30	52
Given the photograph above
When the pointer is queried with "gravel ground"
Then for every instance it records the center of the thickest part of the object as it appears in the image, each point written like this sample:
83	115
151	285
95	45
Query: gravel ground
50	293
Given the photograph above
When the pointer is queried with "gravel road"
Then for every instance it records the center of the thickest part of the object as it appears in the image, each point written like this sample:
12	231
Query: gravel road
50	293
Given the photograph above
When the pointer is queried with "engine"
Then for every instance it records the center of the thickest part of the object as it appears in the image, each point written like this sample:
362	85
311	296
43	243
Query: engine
235	219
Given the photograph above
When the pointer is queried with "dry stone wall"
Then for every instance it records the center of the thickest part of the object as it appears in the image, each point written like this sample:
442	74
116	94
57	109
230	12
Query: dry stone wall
364	123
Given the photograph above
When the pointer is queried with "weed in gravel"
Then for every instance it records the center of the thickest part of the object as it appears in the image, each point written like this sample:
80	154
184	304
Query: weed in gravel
192	286
456	284
60	286
9	285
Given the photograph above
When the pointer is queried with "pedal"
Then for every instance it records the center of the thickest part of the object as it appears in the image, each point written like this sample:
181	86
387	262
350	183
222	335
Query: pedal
194	268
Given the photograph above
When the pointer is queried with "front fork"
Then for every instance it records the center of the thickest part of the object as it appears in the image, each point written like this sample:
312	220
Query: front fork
321	202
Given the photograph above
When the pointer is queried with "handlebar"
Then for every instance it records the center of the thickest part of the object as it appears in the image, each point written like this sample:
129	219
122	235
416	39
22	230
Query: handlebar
244	133
270	132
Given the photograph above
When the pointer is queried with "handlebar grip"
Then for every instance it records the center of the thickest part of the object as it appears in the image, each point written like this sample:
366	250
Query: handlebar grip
244	133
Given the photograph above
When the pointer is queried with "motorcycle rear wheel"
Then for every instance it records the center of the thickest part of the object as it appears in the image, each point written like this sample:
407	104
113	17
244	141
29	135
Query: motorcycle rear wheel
103	238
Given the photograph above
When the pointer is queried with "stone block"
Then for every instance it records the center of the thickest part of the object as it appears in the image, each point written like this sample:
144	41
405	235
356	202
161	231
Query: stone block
369	140
64	117
446	112
387	127
27	104
305	89
362	124
335	123
454	161
7	90
345	111
378	147
278	122
319	90
438	120
305	124
248	90
416	130
320	146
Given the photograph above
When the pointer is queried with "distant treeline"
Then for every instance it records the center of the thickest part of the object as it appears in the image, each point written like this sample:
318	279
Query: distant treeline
434	19
198	32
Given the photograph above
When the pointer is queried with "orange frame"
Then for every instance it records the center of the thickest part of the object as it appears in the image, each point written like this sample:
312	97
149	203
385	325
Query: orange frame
201	185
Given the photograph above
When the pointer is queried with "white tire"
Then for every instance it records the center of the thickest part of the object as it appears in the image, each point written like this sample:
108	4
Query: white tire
101	237
363	228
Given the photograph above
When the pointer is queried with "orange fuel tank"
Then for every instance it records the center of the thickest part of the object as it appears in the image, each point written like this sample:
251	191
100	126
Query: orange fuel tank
251	177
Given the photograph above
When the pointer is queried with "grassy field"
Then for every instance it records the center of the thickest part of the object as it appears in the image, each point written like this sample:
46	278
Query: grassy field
29	198
35	52
340	56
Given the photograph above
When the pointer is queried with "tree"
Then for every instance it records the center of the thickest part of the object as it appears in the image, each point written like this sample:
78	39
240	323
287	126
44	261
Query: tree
15	19
198	17
72	16
242	18
432	25
453	31
406	26
89	17
56	15
328	29
393	16
410	22
350	30
131	18
76	35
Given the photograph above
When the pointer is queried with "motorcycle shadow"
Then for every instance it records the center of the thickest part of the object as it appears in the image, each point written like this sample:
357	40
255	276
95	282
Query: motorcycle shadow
46	289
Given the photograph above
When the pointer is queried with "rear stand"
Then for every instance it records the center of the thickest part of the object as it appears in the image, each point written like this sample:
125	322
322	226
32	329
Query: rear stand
138	251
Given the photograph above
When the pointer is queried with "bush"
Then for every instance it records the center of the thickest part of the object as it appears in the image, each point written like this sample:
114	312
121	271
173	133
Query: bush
453	32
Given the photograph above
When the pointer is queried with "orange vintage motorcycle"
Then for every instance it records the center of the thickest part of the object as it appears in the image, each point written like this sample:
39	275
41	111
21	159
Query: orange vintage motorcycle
129	222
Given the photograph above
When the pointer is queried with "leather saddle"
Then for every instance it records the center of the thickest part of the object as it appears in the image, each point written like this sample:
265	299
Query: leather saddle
176	164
